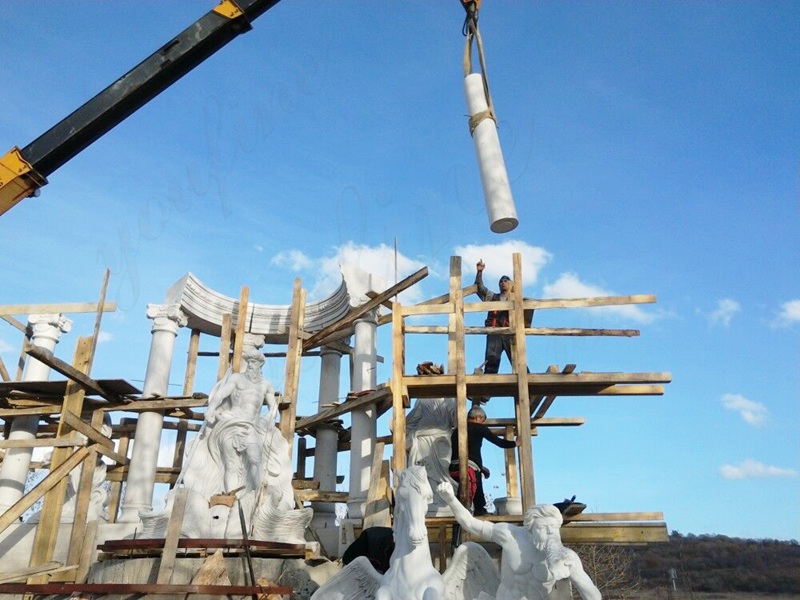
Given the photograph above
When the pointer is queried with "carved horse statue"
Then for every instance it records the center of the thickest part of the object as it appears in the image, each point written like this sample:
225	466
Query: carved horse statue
411	574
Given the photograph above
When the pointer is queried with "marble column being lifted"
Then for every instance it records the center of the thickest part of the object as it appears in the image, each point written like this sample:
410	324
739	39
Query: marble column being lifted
45	331
496	189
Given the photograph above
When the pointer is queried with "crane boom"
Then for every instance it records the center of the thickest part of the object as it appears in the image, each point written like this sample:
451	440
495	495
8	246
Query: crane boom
24	171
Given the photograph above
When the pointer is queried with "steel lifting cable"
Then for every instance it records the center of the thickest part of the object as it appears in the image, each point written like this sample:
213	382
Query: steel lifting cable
472	32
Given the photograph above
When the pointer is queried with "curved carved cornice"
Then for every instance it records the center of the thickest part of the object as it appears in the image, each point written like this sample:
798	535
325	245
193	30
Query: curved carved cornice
205	307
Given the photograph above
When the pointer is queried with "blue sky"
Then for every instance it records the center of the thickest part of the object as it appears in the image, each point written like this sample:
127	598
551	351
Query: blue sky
652	148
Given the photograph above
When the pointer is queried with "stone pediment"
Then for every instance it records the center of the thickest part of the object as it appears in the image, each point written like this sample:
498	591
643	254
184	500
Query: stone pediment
205	307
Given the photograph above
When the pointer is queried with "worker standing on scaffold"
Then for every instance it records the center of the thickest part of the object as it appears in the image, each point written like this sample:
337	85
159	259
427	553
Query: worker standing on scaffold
496	343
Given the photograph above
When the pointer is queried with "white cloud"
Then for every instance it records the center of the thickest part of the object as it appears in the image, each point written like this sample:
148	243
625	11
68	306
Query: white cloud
752	468
752	412
790	314
103	337
5	347
726	308
294	260
568	285
499	261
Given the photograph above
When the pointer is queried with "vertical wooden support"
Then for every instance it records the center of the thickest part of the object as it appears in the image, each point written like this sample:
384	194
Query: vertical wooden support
180	447
294	354
456	363
173	535
85	560
302	452
512	487
46	533
224	346
241	327
523	408
376	512
398	405
191	363
3	371
115	495
84	497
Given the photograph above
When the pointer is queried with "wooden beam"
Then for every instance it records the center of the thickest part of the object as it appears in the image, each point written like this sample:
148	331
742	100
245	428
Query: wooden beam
320	496
523	393
224	346
14	323
294	354
72	307
548	400
68	442
191	362
360	402
86	382
13	514
512	472
546	422
444	298
241	327
376	511
167	562
398	405
356	313
613	533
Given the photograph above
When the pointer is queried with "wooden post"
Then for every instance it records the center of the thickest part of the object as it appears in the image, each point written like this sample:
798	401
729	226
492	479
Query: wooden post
456	363
46	533
523	408
180	446
173	535
398	405
376	512
241	327
512	487
224	346
294	354
302	452
116	487
191	363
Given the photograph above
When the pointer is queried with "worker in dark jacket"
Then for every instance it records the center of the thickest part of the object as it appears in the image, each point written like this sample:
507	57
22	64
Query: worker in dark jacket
496	343
477	431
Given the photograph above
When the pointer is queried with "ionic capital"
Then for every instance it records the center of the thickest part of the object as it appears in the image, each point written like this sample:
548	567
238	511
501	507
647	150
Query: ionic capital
166	317
48	326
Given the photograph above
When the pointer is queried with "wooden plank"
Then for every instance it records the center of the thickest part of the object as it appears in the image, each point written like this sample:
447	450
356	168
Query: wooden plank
191	362
537	399
90	432
70	307
4	372
241	327
623	516
98	316
224	346
87	550
115	495
47	532
294	354
86	382
523	397
589	302
14	323
357	313
69	442
173	535
13	514
360	402
180	444
512	485
25	573
548	400
320	496
302	453
545	422
137	589
623	533
85	489
398	409
376	513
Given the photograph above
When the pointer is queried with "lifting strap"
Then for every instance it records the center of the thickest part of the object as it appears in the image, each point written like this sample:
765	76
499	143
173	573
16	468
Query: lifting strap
472	32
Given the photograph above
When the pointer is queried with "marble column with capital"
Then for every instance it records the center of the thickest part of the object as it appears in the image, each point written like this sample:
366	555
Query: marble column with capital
363	421
167	319
44	331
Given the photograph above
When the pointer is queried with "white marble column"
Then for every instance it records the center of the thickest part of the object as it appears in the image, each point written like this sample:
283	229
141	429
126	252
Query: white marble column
167	319
363	422
45	331
325	454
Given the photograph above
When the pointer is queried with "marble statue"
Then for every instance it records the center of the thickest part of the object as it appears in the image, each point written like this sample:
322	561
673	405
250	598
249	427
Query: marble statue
411	574
98	497
429	426
535	563
239	457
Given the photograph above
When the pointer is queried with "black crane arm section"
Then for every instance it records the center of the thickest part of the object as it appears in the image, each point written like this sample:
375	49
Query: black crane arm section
24	171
